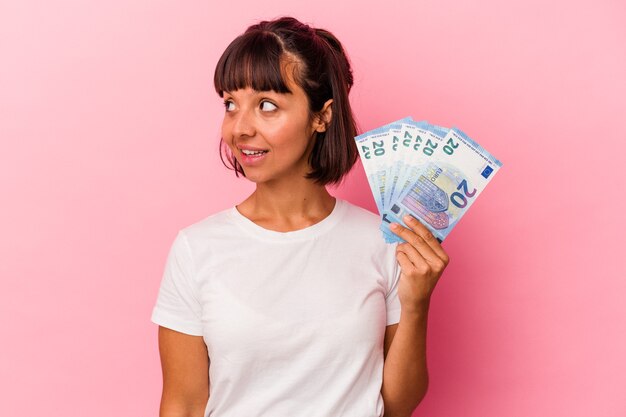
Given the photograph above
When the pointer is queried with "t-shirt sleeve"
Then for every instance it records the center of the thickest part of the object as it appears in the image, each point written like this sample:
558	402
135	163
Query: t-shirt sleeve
177	306
391	298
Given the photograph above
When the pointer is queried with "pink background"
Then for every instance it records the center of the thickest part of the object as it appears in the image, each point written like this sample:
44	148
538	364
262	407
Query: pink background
109	127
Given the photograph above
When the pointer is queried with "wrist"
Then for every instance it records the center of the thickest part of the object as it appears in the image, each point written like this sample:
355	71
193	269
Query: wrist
416	310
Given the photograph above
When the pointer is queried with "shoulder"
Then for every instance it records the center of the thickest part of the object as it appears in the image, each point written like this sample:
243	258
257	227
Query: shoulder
362	232
213	227
363	226
360	217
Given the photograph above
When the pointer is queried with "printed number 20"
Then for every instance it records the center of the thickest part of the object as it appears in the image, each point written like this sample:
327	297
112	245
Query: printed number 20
379	149
459	199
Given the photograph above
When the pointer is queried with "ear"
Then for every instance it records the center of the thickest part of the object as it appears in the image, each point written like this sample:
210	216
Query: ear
324	117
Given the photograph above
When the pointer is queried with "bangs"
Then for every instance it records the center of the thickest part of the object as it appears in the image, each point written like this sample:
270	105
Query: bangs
252	60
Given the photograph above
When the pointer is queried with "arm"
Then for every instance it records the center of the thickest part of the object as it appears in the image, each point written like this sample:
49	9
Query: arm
185	365
405	375
422	261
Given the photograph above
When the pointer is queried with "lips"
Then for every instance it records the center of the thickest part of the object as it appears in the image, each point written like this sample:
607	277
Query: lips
254	159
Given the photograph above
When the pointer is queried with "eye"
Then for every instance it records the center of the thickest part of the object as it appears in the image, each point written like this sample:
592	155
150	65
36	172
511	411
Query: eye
227	103
271	107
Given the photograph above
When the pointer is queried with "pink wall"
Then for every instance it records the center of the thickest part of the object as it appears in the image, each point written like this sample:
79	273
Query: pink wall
109	127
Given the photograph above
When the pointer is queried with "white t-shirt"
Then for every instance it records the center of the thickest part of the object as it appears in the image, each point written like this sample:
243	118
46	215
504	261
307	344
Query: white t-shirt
294	322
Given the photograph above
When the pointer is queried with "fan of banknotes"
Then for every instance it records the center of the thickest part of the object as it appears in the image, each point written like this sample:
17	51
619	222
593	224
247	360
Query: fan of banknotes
430	172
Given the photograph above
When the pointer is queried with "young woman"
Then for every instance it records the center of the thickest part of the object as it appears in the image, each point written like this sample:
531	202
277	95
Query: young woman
290	303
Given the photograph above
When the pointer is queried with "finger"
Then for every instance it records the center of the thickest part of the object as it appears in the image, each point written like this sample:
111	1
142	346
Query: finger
419	244
405	263
420	262
418	227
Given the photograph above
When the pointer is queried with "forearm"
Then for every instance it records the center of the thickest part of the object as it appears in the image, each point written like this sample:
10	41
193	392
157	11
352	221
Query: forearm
170	407
405	374
175	412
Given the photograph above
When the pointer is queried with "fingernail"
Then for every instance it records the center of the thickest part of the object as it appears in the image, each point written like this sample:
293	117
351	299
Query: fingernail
395	226
408	218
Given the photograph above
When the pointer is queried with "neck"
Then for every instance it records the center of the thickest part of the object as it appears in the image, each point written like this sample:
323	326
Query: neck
289	204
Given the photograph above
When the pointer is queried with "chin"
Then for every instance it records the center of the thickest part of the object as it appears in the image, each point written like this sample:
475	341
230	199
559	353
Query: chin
255	177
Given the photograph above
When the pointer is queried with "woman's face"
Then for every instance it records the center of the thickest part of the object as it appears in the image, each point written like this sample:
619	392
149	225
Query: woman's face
275	123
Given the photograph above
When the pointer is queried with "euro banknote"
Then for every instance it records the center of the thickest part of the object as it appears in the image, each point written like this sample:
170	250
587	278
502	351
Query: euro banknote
431	172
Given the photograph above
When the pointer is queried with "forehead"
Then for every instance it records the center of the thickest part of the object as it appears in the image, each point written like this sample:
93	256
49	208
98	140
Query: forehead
294	89
257	61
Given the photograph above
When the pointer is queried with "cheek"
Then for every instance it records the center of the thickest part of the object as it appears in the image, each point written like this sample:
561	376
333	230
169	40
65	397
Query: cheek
289	136
226	133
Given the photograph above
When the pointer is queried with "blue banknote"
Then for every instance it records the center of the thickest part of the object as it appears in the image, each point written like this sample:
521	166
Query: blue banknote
430	172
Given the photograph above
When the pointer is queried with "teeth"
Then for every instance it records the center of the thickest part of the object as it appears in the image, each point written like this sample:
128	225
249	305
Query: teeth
246	152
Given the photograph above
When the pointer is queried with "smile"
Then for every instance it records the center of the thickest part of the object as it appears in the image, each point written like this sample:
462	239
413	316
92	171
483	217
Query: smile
252	158
251	153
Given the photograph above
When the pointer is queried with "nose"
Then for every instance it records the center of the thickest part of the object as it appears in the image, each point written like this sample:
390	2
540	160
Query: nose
243	123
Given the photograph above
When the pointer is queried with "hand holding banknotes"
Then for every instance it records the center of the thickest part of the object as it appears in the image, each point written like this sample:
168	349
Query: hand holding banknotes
422	261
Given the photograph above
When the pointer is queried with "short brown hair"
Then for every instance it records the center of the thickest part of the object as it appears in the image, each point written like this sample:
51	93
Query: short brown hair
254	60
